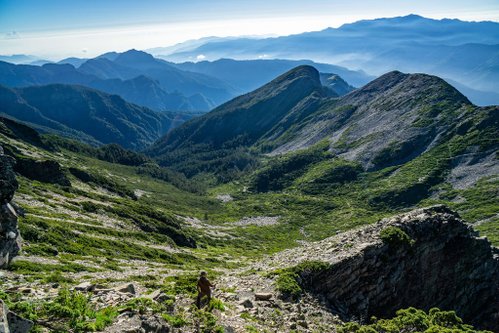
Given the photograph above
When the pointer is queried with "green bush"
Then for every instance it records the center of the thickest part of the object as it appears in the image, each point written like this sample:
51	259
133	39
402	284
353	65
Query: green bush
413	320
395	237
144	305
175	178
216	304
74	310
69	311
251	329
287	285
290	281
181	284
207	322
112	153
57	277
174	320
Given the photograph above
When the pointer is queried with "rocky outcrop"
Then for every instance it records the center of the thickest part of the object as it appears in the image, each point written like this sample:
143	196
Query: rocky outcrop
136	323
10	240
426	258
18	324
11	322
48	171
338	86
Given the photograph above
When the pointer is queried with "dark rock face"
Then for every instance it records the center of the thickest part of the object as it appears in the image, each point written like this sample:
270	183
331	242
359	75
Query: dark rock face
11	322
18	324
446	266
44	171
10	240
8	183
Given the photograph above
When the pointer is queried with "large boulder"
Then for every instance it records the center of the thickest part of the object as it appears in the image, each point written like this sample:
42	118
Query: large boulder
18	324
10	240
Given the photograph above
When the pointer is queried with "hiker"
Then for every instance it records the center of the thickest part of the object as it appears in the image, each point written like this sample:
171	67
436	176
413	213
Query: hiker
204	288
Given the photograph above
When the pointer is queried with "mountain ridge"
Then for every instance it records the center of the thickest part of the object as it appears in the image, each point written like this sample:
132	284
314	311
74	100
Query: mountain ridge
299	83
390	121
167	88
149	93
85	113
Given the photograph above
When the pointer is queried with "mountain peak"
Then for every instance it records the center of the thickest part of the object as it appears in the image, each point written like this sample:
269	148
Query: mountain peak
296	83
135	56
303	71
306	77
412	85
246	118
398	20
109	55
410	17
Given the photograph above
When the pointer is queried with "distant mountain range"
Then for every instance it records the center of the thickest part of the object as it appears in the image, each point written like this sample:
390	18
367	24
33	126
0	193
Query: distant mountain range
142	79
390	121
87	115
248	75
134	75
464	52
19	58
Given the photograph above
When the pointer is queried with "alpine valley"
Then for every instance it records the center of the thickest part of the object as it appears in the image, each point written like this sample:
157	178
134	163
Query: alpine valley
317	198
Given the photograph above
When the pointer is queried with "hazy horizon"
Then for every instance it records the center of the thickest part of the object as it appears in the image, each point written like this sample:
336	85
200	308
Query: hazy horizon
87	29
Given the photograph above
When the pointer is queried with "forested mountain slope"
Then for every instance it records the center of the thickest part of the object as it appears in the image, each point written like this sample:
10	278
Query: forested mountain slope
87	114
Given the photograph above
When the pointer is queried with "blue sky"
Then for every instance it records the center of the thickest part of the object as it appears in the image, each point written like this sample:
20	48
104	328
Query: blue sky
58	28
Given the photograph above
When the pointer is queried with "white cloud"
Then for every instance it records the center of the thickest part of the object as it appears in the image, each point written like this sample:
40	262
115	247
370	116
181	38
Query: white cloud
12	35
200	57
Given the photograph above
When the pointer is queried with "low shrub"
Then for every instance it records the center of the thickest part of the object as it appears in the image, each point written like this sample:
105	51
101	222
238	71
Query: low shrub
290	281
174	320
69	311
395	237
215	304
287	285
413	320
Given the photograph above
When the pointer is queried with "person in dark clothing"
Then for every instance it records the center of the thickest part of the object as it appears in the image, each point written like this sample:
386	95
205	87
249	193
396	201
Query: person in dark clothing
204	289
